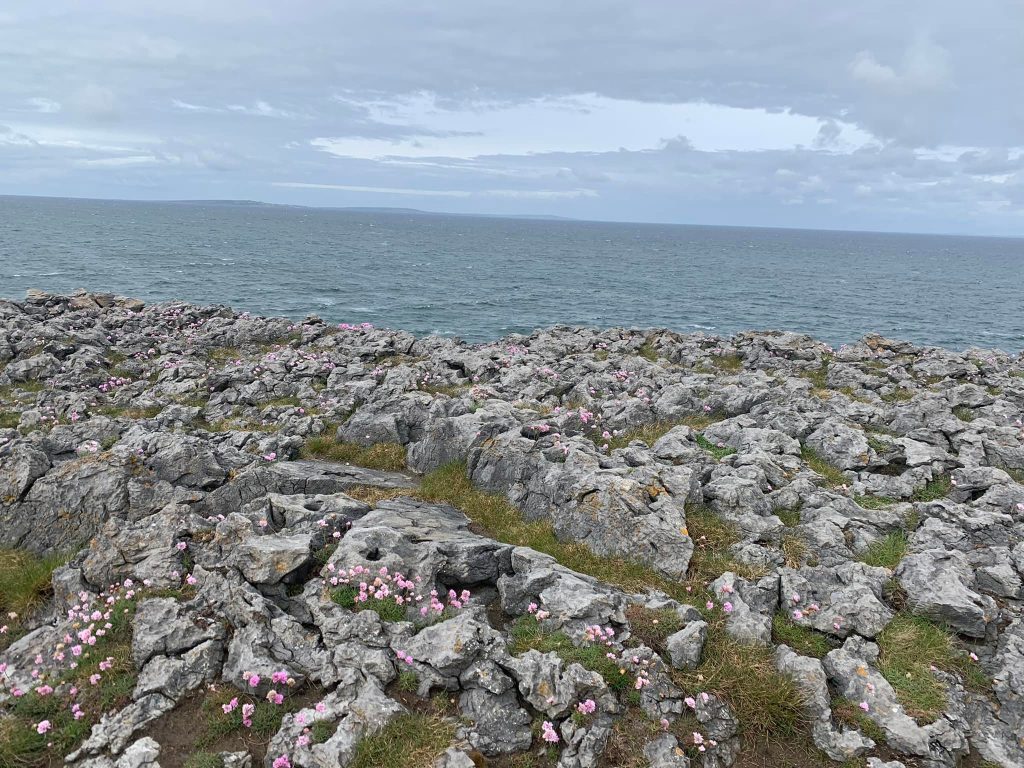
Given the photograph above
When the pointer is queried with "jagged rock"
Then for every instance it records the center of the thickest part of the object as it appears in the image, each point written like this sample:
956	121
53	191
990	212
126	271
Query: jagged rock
849	598
664	752
841	744
498	725
686	646
166	627
936	584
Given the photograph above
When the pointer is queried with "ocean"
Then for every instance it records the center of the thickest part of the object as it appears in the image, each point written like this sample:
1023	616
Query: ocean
479	278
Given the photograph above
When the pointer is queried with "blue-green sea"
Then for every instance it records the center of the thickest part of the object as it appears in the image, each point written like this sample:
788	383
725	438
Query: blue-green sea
481	277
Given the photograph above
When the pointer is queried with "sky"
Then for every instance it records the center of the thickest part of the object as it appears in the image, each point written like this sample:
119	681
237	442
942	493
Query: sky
872	115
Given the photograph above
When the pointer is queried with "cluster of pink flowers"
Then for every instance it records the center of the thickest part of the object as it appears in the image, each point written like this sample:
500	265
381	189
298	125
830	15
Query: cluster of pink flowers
386	585
597	634
537	611
113	383
91	620
586	707
799	613
355	327
548	732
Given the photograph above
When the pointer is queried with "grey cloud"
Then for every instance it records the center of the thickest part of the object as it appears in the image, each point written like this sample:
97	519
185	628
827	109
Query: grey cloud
226	98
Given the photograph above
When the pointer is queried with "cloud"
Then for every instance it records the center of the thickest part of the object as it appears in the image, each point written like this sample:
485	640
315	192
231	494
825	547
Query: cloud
880	116
522	194
94	102
43	105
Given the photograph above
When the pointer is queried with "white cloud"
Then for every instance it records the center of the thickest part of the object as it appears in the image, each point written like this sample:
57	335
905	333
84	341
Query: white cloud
522	194
579	123
46	106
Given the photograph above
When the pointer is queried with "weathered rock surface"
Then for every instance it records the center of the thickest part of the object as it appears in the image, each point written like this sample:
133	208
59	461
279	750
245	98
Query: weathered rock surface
180	456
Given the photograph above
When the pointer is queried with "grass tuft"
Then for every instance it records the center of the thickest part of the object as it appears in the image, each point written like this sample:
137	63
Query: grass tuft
934	489
790	516
963	413
728	363
909	645
718	451
803	640
648	352
846	711
833	476
886	552
25	581
388	610
412	740
204	760
389	457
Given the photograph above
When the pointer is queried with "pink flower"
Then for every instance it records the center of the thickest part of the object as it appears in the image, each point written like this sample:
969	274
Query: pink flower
690	702
864	705
254	680
548	732
282	762
320	707
586	707
43	726
709	605
230	706
191	580
727	607
181	546
279	677
798	614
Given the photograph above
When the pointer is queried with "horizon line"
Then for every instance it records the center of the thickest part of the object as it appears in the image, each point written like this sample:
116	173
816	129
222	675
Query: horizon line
511	216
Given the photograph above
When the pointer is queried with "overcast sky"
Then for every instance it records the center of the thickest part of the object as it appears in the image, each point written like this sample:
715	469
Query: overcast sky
853	115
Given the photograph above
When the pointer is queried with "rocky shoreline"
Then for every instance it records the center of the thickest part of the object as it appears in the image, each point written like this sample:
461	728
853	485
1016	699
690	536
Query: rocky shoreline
262	541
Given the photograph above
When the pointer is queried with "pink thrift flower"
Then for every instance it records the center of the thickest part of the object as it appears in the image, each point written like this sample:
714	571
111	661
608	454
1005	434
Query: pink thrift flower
43	726
864	705
727	607
254	680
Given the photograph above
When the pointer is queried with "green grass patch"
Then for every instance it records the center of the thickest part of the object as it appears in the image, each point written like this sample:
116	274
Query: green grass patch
22	745
501	520
818	376
767	702
204	760
222	355
412	740
718	451
732	363
898	395
322	730
794	549
848	712
908	645
833	476
654	431
790	516
9	419
528	634
283	402
25	580
886	552
388	610
1017	475
652	627
389	457
648	352
874	502
712	539
803	640
450	390
933	489
963	413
